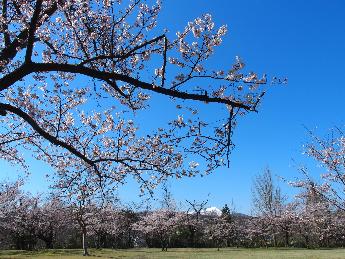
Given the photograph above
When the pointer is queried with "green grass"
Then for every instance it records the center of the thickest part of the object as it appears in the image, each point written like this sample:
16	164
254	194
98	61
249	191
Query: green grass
207	253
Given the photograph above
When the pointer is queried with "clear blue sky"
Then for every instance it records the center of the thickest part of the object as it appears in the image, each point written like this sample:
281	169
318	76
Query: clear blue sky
303	40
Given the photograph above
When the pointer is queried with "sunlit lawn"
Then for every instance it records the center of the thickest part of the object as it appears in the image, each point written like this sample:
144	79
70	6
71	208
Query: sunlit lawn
181	253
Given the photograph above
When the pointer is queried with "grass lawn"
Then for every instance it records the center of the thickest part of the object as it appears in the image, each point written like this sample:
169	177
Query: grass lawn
181	253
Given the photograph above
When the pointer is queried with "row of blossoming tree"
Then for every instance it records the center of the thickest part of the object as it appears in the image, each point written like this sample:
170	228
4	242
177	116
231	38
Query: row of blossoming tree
314	218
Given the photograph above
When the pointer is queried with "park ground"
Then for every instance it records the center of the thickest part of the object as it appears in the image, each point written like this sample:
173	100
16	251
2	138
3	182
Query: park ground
183	253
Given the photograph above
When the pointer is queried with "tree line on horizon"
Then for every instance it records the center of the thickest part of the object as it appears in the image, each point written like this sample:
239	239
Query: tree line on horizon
28	222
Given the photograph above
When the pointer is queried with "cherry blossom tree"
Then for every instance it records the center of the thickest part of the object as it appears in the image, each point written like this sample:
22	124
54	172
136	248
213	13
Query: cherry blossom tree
83	210
73	75
218	230
259	231
9	198
18	214
113	225
122	228
317	217
324	197
330	154
161	224
52	218
285	222
103	225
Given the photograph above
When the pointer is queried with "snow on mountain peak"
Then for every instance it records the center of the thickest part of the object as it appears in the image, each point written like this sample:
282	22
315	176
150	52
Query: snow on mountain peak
212	211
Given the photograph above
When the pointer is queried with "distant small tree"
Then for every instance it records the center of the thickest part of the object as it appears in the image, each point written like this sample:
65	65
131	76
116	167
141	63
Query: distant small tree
167	200
267	202
267	199
226	213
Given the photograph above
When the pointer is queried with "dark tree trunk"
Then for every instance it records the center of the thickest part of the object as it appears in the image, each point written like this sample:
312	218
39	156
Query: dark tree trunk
164	244
306	237
85	251
49	244
286	238
274	240
191	236
47	239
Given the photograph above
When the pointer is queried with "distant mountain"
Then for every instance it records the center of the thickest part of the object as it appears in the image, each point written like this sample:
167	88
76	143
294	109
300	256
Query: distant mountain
241	215
212	211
